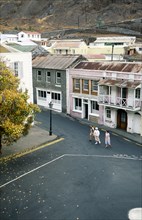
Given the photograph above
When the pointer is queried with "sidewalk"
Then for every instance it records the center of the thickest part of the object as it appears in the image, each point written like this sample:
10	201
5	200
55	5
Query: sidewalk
36	137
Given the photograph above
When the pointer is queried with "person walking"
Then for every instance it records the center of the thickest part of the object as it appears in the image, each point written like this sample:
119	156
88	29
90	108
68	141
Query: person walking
91	134
107	139
97	136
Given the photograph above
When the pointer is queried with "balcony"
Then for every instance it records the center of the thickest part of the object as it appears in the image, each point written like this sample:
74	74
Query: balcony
119	102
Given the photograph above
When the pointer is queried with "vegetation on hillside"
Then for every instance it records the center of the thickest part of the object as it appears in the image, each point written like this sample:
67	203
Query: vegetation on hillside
59	14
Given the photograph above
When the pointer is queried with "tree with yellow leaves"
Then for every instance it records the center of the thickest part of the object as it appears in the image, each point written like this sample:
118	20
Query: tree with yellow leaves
16	114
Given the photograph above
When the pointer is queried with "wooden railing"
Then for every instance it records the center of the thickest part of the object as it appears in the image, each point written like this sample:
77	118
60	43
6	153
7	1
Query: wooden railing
119	102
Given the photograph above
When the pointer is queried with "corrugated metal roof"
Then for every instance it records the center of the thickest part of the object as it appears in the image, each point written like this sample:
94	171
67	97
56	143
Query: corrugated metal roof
23	48
94	56
120	83
61	62
30	32
67	44
111	66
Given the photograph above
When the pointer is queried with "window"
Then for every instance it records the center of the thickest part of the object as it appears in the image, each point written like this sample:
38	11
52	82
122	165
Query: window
94	86
137	94
38	75
48	77
94	106
41	94
78	104
73	51
123	117
108	113
58	78
16	67
77	84
108	90
85	84
56	97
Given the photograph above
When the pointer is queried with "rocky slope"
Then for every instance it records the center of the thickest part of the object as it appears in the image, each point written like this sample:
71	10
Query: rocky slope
47	15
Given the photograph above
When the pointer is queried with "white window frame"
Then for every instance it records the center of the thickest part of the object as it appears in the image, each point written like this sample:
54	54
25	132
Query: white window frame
16	68
108	113
39	77
85	84
41	94
137	93
94	86
77	84
48	78
56	97
58	78
77	104
94	107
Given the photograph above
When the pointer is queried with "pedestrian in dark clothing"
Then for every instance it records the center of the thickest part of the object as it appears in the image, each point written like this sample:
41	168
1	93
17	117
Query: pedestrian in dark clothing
91	134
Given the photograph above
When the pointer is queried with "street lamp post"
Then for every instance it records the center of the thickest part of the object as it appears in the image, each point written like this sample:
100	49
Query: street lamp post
50	106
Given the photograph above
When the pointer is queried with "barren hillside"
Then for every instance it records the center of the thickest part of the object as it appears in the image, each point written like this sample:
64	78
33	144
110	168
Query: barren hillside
47	15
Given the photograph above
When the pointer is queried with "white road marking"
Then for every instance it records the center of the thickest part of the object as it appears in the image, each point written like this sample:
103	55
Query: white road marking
126	157
37	168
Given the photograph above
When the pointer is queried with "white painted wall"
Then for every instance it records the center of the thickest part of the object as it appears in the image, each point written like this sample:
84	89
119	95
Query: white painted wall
136	123
25	76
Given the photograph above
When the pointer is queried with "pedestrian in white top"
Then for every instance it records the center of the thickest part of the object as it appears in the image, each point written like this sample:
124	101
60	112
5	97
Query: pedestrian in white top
107	139
97	136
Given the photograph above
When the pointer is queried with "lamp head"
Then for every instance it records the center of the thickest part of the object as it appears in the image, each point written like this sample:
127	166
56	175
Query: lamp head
50	104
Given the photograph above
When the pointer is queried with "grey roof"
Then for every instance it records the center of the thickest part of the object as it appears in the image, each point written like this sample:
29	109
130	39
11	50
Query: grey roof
25	48
61	62
34	49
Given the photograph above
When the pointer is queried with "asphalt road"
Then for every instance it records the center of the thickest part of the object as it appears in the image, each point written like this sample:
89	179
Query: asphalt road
73	179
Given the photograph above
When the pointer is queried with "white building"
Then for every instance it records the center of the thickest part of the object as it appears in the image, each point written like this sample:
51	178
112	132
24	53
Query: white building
21	64
25	35
114	48
8	38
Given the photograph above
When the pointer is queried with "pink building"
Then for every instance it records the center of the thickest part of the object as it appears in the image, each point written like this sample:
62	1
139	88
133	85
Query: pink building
108	93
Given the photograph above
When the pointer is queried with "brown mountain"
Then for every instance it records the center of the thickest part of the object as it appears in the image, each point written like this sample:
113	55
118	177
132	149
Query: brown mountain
47	15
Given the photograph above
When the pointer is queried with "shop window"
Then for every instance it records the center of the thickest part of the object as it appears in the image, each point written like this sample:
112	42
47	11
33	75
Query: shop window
77	104
42	94
94	106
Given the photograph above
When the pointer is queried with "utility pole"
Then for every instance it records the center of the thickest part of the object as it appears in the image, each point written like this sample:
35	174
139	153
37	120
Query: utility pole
112	52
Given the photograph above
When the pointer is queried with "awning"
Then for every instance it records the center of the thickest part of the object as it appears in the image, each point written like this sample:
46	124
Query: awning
120	83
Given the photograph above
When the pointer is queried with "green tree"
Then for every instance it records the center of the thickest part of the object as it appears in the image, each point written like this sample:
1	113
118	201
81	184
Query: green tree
16	113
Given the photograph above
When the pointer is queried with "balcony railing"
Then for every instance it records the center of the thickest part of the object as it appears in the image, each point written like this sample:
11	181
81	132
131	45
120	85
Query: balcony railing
118	102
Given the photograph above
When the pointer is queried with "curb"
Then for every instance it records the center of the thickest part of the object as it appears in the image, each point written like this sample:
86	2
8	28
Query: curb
29	150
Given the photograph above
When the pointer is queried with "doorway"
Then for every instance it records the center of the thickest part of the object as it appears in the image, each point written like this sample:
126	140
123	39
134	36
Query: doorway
124	96
86	111
122	119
